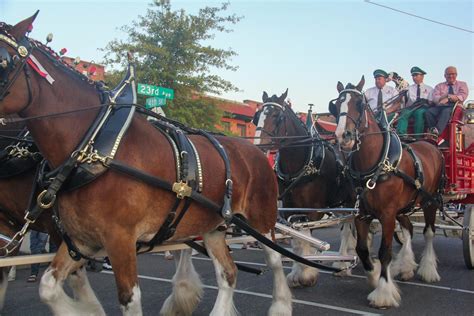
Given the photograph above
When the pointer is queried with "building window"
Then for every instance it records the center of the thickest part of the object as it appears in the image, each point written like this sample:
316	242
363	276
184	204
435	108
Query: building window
226	126
242	129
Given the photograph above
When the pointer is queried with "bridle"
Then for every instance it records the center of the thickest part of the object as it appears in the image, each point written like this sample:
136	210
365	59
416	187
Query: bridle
11	66
362	105
279	120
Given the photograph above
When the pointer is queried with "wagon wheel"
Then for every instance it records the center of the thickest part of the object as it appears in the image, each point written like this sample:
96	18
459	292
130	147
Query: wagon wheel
468	237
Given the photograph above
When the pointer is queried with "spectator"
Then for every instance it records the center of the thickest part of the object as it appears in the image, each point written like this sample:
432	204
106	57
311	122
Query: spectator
37	246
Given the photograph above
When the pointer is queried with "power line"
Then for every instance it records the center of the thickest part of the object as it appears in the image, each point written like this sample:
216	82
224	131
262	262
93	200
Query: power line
419	17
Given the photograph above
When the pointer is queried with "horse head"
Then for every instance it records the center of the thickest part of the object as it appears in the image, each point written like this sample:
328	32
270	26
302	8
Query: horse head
349	110
271	118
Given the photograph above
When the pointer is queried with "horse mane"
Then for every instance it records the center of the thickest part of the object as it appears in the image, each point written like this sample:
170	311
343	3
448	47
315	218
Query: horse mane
57	60
274	98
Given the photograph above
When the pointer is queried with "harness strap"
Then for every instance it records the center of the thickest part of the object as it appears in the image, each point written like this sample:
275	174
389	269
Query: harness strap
226	210
194	245
240	222
168	228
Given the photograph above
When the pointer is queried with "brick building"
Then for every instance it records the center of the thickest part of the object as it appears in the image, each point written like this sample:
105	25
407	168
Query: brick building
237	117
90	69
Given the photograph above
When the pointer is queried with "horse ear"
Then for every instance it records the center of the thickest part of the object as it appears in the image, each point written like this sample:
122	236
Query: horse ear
340	86
283	96
20	29
265	96
361	83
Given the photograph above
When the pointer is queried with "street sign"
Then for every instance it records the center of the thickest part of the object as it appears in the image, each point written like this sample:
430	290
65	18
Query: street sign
155	91
154	102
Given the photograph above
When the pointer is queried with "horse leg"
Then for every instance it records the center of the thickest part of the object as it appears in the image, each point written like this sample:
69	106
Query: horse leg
51	287
301	275
348	244
386	294
187	286
121	250
226	273
428	269
404	263
281	304
372	268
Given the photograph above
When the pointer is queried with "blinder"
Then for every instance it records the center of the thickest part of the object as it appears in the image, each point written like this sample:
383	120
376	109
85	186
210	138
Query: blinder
6	66
333	109
11	66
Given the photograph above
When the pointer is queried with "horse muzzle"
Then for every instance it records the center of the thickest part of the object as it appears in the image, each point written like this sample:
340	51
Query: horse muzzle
347	139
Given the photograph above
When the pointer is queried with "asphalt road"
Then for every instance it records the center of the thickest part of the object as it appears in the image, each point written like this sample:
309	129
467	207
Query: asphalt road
453	295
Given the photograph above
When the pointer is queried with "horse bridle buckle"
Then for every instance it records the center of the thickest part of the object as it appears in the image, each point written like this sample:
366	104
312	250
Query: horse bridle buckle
40	202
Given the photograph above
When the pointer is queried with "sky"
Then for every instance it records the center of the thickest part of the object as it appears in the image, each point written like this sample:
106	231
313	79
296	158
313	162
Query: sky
306	46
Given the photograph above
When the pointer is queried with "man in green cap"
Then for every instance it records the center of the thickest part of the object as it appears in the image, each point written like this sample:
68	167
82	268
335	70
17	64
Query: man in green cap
382	92
419	98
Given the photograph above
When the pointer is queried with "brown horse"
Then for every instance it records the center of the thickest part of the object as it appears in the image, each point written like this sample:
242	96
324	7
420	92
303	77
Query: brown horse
389	181
18	173
116	211
309	171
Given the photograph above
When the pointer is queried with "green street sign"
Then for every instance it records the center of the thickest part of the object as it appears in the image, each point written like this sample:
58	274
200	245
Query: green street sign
155	102
155	91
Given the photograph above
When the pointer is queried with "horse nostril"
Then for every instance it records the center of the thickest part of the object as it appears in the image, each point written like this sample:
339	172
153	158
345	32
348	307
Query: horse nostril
347	136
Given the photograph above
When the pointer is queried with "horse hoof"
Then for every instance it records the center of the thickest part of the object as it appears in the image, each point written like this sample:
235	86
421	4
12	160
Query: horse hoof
405	276
298	281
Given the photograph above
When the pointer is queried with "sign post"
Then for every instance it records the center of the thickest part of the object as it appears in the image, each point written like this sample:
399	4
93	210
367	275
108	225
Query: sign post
155	91
155	102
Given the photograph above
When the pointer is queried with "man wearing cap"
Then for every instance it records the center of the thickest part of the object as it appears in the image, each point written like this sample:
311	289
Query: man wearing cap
420	95
445	96
379	94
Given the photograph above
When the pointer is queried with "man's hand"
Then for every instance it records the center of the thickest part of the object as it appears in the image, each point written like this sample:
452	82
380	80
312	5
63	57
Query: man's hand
444	101
453	98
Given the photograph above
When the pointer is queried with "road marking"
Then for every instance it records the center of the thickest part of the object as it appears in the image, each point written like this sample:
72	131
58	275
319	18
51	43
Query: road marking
296	301
438	287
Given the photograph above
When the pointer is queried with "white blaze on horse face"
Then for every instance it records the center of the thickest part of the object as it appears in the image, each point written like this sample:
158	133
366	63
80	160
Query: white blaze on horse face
261	123
341	126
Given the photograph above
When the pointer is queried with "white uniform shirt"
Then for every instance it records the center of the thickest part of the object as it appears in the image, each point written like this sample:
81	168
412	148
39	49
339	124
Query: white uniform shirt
372	94
426	92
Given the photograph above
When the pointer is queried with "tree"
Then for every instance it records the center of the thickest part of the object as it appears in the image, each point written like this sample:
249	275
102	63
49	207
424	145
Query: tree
172	50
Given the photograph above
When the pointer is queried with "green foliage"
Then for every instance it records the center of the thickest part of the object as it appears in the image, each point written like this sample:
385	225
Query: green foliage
171	49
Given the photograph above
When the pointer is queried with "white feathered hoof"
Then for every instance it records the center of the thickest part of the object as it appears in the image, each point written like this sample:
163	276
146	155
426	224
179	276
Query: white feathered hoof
305	277
374	275
428	272
48	289
407	275
386	295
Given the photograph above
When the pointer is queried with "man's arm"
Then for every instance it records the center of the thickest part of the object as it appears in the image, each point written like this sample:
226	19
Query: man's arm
462	93
437	97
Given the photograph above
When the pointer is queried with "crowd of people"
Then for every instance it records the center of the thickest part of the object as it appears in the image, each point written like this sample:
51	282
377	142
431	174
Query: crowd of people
430	107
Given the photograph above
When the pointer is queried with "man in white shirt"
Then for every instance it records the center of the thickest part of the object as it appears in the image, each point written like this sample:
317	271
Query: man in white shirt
419	97
381	93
